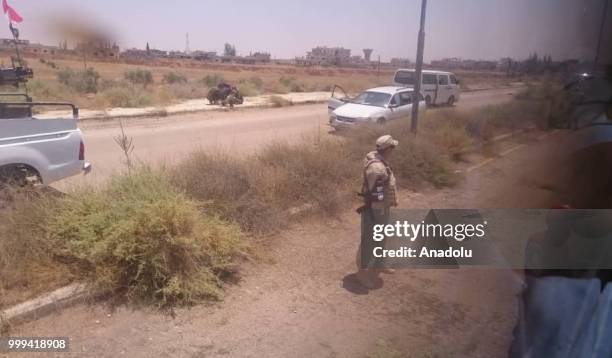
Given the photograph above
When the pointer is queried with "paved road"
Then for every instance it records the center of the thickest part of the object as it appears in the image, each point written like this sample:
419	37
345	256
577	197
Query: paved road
166	139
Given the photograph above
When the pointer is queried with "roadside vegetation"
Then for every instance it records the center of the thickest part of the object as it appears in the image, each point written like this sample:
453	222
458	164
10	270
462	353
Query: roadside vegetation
106	85
167	237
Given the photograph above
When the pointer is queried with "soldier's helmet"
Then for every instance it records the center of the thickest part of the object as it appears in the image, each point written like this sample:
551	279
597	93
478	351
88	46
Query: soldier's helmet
385	142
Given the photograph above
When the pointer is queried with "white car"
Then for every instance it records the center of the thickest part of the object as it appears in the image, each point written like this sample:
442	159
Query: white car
438	87
376	105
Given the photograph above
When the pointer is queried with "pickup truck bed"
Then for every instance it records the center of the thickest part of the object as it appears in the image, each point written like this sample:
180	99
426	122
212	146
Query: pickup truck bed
50	149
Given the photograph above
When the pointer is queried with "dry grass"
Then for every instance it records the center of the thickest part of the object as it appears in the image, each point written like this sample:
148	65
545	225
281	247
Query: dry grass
278	101
195	78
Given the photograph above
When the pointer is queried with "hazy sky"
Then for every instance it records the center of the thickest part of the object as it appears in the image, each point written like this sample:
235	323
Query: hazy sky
487	29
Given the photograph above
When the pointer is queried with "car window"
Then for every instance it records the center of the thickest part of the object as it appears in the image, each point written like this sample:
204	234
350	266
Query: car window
395	101
372	99
453	79
442	79
429	79
405	98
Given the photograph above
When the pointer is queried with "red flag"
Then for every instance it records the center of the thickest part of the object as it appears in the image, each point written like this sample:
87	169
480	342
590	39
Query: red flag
12	15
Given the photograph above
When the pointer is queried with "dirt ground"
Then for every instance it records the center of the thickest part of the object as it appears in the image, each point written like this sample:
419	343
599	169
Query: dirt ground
304	303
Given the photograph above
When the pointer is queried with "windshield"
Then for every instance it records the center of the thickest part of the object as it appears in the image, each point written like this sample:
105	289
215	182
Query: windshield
372	99
405	78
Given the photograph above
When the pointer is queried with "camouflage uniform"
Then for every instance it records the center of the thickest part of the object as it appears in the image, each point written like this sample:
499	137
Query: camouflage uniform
376	172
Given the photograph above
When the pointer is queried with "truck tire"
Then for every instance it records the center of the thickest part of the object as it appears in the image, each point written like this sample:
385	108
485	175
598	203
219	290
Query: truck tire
18	175
451	101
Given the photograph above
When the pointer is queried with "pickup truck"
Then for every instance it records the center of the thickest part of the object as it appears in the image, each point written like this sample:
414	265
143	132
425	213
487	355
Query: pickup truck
40	151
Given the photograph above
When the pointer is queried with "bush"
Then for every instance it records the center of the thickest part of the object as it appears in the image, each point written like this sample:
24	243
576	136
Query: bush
80	81
139	77
127	97
48	90
228	187
291	84
174	78
278	101
252	86
143	241
212	80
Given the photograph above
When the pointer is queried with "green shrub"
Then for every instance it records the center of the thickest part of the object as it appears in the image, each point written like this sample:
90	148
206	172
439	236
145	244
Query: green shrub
212	80
143	241
174	78
80	81
139	77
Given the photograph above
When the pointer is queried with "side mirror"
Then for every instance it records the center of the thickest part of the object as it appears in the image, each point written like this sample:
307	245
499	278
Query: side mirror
392	106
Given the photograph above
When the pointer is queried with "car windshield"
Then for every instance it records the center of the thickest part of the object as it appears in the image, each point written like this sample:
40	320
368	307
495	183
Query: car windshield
372	99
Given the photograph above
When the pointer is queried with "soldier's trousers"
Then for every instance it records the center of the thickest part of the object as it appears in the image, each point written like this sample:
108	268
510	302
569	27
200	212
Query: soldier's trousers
369	218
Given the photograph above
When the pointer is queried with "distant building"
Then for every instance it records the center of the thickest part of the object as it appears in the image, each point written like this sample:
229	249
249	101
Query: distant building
203	55
326	56
400	62
98	48
458	63
26	46
142	54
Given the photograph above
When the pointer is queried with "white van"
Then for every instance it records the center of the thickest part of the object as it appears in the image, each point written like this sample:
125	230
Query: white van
437	86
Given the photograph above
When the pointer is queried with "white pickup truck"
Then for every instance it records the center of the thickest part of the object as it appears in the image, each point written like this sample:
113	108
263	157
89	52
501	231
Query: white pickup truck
43	151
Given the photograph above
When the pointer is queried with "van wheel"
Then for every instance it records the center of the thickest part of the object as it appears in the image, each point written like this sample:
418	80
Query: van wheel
381	120
451	101
428	102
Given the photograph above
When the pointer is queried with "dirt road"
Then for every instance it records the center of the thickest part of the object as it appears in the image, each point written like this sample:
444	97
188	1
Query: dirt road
166	139
303	304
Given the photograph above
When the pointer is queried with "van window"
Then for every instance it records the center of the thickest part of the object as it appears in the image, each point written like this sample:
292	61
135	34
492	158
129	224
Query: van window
405	78
429	79
453	79
442	79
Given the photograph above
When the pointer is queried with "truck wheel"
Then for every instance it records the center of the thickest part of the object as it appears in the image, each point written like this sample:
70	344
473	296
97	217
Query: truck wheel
451	101
381	120
18	176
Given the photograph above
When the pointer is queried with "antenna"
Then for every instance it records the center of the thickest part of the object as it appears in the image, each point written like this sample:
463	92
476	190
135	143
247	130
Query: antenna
187	50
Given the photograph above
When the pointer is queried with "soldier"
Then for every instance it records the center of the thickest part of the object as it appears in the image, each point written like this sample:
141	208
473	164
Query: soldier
378	192
233	98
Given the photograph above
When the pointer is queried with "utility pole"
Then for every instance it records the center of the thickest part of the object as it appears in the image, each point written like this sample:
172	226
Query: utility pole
601	28
418	70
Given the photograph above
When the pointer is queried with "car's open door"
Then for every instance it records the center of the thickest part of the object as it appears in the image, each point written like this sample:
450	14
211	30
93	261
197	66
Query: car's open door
337	99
